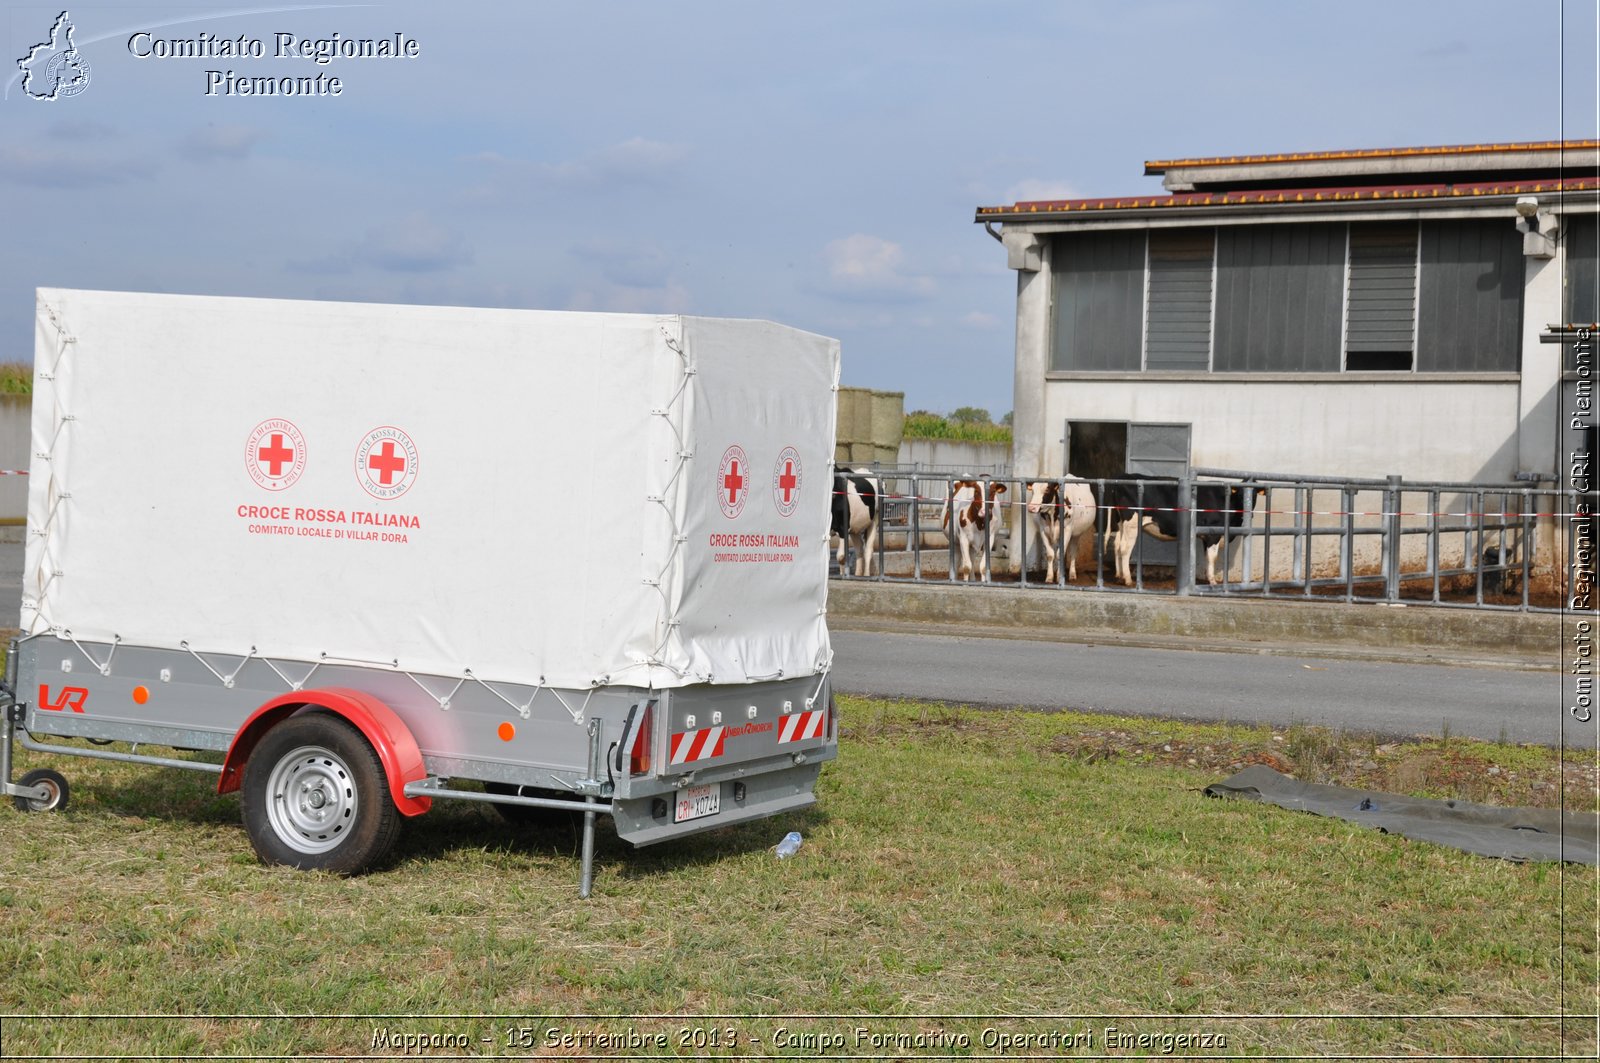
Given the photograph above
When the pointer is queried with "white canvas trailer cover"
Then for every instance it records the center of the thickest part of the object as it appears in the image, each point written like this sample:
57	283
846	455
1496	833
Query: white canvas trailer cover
572	499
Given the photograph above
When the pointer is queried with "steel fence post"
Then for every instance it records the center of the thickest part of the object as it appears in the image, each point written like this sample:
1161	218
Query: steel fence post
1391	539
1184	575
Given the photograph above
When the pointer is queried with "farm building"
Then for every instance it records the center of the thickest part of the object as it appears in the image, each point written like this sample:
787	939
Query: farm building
1347	313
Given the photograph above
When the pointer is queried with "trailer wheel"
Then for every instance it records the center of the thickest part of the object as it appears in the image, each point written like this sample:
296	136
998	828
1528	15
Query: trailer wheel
316	797
52	781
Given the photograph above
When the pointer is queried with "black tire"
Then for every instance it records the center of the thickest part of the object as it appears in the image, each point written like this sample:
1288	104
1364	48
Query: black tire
525	815
316	797
53	781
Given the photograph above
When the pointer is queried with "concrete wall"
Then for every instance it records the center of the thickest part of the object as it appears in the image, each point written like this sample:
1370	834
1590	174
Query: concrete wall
16	412
1461	430
950	453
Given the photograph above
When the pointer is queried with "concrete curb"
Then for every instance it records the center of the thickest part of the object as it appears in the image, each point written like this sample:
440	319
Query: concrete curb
1324	629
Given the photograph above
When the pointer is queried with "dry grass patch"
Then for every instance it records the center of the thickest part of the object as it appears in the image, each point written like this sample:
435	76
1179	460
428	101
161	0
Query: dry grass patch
959	862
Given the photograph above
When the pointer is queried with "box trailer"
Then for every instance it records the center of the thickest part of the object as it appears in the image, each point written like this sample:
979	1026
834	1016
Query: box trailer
373	555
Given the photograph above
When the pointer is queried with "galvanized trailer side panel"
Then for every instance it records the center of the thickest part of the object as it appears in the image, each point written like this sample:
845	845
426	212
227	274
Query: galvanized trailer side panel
771	738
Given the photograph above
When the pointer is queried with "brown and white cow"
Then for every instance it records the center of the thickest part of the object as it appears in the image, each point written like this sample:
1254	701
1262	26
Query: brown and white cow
1057	507
977	523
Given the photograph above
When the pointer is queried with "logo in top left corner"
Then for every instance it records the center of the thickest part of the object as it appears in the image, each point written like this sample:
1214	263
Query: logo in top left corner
54	68
275	454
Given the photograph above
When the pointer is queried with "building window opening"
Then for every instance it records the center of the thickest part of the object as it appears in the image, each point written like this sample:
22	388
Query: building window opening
1378	362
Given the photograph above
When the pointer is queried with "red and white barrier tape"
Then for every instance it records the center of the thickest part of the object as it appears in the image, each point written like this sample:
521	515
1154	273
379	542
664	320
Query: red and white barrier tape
1509	515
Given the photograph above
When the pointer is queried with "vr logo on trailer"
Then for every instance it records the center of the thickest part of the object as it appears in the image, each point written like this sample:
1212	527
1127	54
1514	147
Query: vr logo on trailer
275	454
72	698
733	481
786	482
386	463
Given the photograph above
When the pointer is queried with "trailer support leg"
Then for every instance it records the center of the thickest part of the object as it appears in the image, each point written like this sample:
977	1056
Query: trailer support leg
586	873
7	730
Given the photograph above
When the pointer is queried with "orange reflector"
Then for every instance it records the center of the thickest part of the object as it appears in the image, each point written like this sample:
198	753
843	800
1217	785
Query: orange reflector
506	732
141	694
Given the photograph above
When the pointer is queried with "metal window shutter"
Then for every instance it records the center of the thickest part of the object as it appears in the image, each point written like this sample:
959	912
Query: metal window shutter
1178	317
1583	269
1099	301
1279	296
1383	288
1470	297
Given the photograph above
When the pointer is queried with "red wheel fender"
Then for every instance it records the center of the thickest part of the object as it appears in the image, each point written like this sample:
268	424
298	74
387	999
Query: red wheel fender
396	747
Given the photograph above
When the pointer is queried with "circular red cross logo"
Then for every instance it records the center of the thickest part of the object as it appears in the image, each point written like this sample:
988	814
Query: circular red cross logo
275	454
786	482
386	463
733	481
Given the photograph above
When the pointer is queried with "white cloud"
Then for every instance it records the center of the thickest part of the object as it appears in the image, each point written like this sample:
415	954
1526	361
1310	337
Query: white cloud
225	141
628	263
412	244
1034	189
865	267
979	319
51	167
669	299
635	162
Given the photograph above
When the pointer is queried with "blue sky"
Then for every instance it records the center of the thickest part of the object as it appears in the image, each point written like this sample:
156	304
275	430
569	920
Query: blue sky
813	164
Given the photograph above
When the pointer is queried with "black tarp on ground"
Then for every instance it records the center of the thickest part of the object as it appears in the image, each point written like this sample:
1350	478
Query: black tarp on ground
1488	830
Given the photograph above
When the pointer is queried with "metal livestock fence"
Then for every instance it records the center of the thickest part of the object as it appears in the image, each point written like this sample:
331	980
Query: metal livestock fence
1282	537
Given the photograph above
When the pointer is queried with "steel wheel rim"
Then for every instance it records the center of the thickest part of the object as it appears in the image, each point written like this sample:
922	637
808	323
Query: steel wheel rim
50	800
311	799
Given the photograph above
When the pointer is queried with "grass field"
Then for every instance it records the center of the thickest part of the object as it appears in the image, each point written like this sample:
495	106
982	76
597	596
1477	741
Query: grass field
1060	869
16	378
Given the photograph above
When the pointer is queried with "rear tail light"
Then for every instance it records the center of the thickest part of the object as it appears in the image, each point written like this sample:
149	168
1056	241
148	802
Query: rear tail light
643	735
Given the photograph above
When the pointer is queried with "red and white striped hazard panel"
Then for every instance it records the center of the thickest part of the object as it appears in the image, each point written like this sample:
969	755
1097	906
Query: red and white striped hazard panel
802	725
688	746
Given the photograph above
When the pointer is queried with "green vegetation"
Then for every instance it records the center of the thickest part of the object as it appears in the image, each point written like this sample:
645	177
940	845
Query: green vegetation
16	379
969	424
960	862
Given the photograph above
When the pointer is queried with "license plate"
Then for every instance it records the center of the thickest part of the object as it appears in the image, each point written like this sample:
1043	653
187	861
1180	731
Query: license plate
697	801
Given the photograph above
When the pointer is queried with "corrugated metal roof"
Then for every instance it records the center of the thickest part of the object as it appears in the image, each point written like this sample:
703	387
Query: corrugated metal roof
1160	166
1291	196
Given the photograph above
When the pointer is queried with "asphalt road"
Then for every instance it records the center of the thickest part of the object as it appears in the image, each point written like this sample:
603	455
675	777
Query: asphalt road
1397	699
1384	698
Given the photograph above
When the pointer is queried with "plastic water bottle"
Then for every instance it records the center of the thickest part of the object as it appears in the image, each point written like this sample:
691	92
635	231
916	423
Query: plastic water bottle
790	845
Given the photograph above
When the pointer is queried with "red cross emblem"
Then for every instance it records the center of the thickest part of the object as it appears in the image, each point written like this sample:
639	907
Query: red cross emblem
733	481
275	454
386	462
786	482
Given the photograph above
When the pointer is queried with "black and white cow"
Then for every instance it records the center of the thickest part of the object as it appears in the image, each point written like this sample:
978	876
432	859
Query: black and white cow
855	518
1157	515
